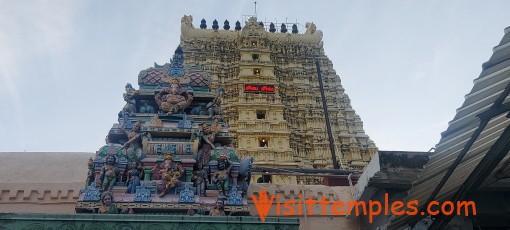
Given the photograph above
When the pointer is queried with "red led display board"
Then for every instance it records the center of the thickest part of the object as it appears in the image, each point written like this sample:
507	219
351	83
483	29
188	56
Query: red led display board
251	88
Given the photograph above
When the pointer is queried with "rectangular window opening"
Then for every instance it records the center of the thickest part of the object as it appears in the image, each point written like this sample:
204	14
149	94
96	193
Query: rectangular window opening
261	115
263	142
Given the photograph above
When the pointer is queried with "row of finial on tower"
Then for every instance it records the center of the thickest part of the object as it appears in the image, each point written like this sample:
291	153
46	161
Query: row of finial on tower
226	26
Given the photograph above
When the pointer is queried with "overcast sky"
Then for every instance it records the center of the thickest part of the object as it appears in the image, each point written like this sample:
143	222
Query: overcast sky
406	65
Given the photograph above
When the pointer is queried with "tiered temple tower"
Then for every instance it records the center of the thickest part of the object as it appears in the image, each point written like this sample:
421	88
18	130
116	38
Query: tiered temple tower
170	151
272	102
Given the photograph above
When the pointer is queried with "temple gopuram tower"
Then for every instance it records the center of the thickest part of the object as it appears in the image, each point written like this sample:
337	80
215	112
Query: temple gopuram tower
272	97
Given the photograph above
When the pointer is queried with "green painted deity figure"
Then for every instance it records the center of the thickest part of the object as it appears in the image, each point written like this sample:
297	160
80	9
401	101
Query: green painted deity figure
109	173
222	176
133	147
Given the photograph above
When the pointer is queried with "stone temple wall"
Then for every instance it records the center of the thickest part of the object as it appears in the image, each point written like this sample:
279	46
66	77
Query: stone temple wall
41	182
50	183
316	219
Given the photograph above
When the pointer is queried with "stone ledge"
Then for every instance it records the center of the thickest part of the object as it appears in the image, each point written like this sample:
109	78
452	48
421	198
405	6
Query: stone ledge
293	191
145	218
39	193
134	221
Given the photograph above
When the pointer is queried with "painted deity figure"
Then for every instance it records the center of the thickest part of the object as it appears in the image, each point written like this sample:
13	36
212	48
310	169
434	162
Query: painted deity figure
108	207
170	175
206	146
180	168
170	180
109	173
174	98
218	209
133	178
214	107
221	177
133	149
130	106
168	164
215	127
155	121
90	173
199	110
200	179
145	107
156	172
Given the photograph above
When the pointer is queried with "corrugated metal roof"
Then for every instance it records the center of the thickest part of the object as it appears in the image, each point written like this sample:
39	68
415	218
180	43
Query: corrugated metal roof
487	89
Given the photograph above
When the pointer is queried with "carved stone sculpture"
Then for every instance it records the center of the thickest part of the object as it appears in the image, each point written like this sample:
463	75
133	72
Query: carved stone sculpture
310	28
186	25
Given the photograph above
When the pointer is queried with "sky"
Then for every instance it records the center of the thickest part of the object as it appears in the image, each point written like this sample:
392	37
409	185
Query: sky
406	65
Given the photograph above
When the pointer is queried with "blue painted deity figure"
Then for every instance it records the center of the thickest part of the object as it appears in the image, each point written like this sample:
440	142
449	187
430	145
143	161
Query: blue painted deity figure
199	110
133	178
